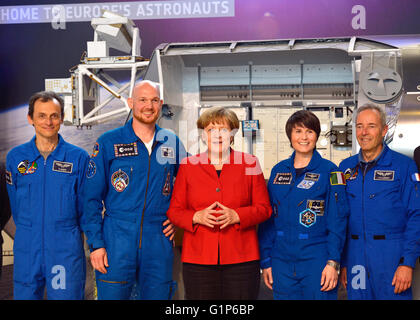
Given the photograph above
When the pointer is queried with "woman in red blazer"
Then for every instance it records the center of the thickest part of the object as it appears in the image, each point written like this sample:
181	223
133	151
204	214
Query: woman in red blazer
219	198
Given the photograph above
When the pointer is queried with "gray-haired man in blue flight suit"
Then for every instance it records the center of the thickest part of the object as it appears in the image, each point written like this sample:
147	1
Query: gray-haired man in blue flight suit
132	171
384	223
44	180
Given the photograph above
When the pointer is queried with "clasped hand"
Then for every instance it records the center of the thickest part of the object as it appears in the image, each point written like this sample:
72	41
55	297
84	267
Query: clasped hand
226	216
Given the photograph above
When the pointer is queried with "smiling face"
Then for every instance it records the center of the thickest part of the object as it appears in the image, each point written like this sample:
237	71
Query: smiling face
145	103
217	137
303	139
46	118
370	132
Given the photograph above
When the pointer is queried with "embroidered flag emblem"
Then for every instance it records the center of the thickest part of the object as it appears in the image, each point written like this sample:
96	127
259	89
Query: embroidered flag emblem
337	179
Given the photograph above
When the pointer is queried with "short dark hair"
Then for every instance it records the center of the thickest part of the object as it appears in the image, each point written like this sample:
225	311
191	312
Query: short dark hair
45	96
305	118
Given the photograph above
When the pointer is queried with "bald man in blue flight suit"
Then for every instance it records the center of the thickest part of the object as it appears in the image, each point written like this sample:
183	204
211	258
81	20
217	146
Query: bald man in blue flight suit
384	223
132	170
45	179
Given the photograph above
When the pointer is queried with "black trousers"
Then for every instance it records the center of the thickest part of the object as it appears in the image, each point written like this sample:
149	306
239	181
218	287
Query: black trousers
239	281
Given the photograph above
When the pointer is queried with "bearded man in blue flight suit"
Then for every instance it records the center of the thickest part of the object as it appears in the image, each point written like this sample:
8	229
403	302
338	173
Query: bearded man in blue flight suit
44	180
132	170
384	223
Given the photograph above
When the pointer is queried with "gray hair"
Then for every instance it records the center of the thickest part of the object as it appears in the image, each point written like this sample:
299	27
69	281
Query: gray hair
371	106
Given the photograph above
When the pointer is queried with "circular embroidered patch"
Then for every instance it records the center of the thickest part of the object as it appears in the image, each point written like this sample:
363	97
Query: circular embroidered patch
119	180
91	170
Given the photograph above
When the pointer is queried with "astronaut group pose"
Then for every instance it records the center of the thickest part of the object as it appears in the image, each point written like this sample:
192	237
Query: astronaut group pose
318	224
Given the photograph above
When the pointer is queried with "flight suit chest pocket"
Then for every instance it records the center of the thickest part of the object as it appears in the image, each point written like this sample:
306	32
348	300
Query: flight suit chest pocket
67	206
24	202
389	191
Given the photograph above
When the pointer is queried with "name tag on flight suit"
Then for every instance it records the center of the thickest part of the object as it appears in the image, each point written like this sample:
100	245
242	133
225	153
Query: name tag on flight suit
384	175
60	166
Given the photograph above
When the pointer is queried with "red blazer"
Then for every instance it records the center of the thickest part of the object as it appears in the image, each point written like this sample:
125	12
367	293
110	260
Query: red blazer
241	187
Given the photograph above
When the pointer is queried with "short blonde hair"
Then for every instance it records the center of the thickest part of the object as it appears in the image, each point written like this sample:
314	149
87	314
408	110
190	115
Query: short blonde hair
218	115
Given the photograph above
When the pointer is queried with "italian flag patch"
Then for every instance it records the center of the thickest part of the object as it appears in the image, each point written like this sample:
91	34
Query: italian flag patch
337	179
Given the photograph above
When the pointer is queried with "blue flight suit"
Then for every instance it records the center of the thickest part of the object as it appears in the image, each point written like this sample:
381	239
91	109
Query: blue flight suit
136	189
306	229
46	202
384	223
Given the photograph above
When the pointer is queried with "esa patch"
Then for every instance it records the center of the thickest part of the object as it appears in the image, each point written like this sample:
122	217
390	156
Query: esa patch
8	176
61	166
95	150
337	179
317	206
167	152
91	169
384	175
119	180
307	218
125	150
282	178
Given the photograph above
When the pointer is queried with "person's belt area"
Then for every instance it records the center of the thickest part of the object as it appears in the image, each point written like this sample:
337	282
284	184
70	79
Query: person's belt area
386	236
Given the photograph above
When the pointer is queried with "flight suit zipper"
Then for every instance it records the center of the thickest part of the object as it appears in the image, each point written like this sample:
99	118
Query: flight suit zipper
43	211
145	196
363	219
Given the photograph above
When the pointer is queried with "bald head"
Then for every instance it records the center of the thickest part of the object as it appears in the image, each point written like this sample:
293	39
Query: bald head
145	102
146	83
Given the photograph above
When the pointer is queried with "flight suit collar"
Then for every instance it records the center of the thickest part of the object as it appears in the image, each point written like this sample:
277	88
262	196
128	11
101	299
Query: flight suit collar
383	159
313	164
131	135
58	153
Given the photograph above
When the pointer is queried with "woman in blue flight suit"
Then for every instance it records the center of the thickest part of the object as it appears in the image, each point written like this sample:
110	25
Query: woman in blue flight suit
301	244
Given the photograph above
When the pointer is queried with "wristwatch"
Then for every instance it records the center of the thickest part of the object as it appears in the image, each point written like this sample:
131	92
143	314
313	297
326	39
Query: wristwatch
334	264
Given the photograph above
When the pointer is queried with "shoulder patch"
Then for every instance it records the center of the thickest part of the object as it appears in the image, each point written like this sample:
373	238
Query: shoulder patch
95	150
415	177
8	176
337	178
91	169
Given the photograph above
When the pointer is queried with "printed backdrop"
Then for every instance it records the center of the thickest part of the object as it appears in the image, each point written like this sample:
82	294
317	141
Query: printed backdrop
45	38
